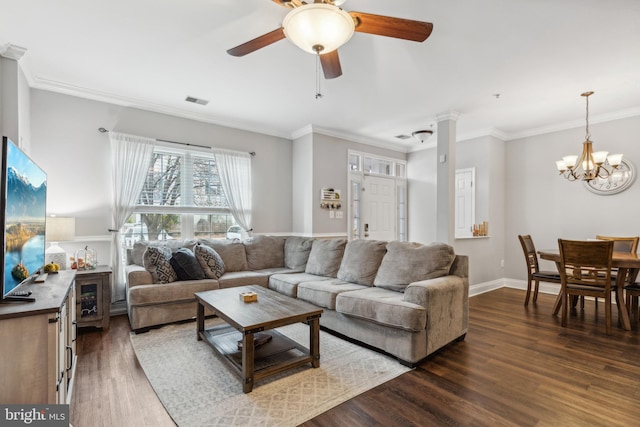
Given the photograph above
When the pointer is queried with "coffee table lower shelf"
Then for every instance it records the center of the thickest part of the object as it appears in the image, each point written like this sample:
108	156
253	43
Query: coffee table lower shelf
277	355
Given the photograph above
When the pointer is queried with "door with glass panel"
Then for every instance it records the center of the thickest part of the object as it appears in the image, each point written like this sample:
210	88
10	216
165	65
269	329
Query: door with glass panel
379	208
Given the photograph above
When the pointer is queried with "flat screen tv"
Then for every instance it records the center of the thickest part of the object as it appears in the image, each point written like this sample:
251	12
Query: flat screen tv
23	209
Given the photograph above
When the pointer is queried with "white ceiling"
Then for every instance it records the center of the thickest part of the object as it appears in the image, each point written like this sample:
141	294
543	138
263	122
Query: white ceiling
538	55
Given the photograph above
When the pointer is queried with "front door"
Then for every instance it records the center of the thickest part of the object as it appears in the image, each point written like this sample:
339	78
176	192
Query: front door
379	208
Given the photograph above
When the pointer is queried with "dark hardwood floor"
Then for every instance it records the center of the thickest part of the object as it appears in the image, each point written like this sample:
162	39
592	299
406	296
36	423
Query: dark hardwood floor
517	366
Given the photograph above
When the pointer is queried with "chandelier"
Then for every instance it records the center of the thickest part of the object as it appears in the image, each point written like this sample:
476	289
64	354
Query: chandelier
590	165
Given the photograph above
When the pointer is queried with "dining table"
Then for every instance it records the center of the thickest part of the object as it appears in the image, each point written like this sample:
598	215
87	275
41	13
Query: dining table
627	265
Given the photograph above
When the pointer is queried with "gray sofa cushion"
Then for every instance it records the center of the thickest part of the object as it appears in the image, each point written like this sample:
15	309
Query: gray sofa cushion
210	261
384	307
186	265
156	261
361	261
325	257
296	252
405	263
264	252
325	292
287	284
231	251
165	295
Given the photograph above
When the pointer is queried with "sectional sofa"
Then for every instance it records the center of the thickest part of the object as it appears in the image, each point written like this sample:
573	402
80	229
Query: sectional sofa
406	299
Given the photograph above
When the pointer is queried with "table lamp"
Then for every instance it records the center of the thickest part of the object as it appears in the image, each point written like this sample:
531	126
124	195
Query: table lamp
58	229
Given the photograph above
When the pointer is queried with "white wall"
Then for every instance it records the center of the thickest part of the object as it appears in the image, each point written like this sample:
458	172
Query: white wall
67	145
548	207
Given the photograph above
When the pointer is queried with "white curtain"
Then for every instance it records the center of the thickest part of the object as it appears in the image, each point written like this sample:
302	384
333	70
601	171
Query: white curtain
130	159
235	176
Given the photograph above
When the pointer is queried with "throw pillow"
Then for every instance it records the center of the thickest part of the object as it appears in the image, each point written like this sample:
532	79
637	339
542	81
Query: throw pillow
264	252
186	265
209	261
405	263
325	257
156	261
296	252
361	261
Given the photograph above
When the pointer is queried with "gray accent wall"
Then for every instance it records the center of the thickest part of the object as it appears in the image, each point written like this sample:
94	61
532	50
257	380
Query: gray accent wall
67	144
540	203
321	161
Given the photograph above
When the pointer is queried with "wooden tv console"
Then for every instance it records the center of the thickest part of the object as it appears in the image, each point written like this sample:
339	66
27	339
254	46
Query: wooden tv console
37	342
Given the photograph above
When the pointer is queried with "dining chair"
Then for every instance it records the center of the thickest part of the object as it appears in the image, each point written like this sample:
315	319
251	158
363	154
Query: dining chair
534	274
632	295
585	270
620	244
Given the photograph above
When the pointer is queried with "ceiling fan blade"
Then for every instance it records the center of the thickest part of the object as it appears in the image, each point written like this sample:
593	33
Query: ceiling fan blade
289	4
257	43
398	28
331	65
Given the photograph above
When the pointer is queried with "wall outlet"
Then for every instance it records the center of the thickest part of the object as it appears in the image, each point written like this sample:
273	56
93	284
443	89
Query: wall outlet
332	214
501	263
339	214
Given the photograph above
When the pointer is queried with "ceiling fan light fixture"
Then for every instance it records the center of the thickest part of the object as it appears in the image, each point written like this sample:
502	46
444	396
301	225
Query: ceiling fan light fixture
318	27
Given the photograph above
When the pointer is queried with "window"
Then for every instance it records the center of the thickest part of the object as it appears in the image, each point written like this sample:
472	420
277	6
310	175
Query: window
182	198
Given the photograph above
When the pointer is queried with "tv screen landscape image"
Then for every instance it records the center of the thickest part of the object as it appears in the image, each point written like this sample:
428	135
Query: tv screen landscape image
23	210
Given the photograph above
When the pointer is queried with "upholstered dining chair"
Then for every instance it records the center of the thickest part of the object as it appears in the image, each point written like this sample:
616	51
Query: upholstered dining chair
534	274
622	244
585	269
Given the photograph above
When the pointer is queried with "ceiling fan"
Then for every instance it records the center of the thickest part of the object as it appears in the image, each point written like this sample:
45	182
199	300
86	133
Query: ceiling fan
322	27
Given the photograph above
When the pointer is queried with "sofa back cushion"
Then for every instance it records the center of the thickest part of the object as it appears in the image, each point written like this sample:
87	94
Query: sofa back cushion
264	252
325	257
140	247
296	252
405	263
186	265
210	261
156	261
361	261
232	253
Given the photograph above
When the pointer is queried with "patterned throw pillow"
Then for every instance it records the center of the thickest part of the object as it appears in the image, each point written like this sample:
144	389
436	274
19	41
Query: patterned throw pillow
156	261
210	261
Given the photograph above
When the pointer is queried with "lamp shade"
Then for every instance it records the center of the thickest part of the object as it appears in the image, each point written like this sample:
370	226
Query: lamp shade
318	27
60	229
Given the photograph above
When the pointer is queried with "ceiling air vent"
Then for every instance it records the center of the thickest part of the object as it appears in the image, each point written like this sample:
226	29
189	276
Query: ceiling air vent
402	136
196	100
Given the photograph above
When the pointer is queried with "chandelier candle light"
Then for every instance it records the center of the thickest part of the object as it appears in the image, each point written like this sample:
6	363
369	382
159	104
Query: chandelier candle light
590	165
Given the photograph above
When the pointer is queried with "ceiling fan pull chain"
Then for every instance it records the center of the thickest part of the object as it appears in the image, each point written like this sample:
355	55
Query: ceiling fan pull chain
318	92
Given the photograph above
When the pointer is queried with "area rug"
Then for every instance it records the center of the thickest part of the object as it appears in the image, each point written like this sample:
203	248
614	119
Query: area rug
198	389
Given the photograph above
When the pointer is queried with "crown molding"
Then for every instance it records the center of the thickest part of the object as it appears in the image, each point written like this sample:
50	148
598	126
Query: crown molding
16	52
447	115
96	95
308	129
578	123
11	51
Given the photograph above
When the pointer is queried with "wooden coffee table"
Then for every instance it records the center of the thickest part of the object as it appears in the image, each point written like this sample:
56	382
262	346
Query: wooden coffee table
272	310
